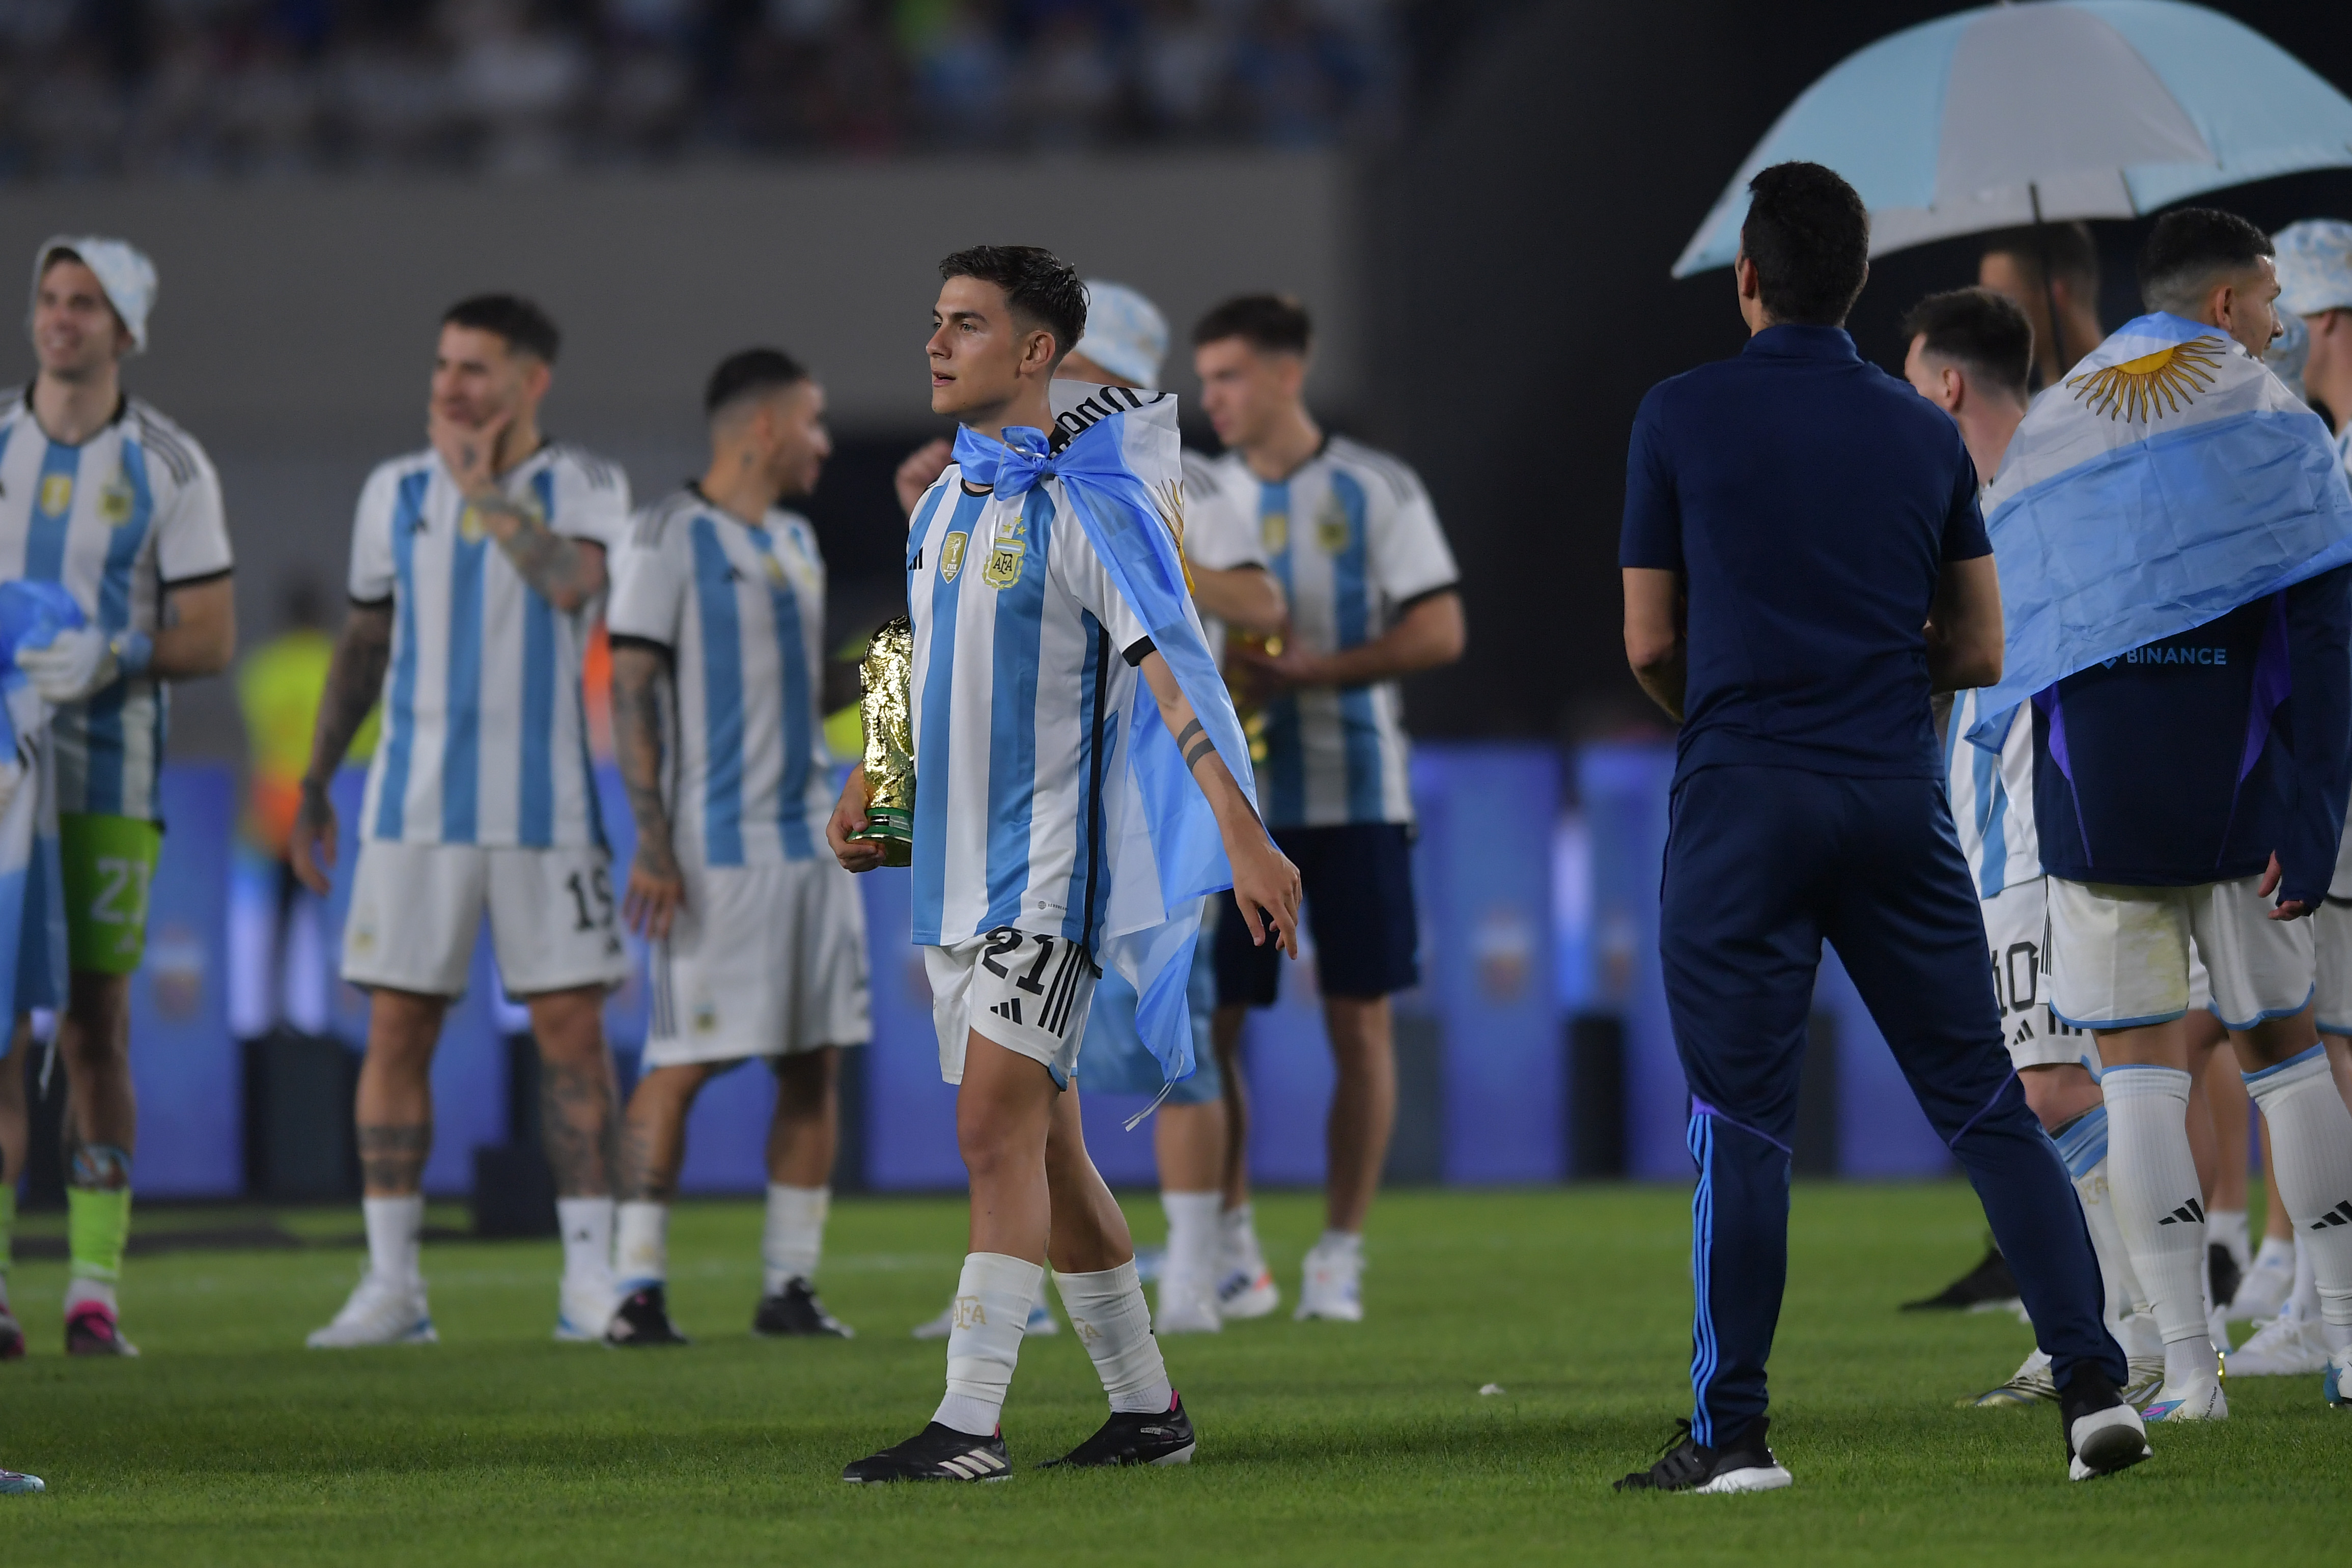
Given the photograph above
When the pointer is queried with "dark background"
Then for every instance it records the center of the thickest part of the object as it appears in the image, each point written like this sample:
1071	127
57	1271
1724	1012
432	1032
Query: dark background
1521	305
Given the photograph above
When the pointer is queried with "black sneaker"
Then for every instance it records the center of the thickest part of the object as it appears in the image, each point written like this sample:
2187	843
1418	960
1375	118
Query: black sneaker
937	1453
2221	1269
643	1320
1742	1465
1988	1285
1130	1438
796	1312
2103	1433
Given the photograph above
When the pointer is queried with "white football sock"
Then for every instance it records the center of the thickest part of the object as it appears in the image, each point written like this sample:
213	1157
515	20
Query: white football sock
2311	1156
641	1245
1340	1241
2152	1180
992	1307
1242	1253
1193	1238
587	1226
394	1228
2277	1251
2083	1144
794	1237
2303	1302
2228	1226
1107	1312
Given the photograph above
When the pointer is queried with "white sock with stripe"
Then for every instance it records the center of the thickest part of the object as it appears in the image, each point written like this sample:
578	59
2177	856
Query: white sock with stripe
641	1245
1107	1312
2083	1144
2311	1156
992	1308
2152	1180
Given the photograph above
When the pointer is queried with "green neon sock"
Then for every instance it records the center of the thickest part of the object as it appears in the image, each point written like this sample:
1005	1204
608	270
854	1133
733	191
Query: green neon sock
98	1226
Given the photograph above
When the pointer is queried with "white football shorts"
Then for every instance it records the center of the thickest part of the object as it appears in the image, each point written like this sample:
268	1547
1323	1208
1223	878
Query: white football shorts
2121	956
2017	927
762	961
416	908
2331	936
1028	994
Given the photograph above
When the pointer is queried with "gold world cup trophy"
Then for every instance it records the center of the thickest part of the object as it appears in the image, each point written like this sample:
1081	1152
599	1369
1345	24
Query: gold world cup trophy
887	676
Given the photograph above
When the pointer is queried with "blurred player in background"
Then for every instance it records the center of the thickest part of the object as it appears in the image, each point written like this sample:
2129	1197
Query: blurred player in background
104	495
1371	584
2055	264
1124	344
1969	352
474	563
717	622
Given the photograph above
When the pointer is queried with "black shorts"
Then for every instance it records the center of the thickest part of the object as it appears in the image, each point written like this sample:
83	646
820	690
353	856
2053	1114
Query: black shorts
1358	882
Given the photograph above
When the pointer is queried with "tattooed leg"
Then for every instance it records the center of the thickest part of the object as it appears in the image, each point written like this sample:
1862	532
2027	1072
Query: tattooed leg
395	1097
653	1134
579	1122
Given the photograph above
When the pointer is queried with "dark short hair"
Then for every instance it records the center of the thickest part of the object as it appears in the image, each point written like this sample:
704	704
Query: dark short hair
526	328
1979	328
1809	235
2073	255
1039	286
58	253
1271	323
2188	246
749	374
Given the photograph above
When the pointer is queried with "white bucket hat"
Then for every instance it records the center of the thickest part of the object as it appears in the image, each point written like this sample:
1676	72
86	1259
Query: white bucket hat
123	270
1125	333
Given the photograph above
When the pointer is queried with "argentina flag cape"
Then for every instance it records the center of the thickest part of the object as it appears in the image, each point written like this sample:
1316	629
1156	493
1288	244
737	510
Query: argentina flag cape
2168	479
1120	471
32	883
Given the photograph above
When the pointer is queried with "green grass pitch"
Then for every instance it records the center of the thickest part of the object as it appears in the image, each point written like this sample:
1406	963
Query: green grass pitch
229	1443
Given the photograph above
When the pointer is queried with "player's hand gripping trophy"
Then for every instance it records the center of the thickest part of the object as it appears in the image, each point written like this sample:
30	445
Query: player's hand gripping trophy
887	676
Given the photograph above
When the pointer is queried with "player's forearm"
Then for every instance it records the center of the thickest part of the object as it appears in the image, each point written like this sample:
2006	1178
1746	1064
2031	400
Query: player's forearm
1664	679
1432	633
198	635
355	682
1225	798
566	572
637	742
1246	599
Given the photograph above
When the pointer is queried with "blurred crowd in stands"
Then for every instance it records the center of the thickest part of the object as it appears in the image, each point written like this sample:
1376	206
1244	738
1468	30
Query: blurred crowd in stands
258	86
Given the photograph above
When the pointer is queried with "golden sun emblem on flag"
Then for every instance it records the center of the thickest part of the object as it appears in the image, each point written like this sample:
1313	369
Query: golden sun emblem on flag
2152	385
1168	497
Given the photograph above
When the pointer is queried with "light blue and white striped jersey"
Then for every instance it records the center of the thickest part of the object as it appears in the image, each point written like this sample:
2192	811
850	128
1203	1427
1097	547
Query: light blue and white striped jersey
484	738
131	512
1354	542
741	611
1018	687
1992	798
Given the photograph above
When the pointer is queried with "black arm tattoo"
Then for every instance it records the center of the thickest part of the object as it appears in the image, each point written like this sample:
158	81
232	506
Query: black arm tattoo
355	682
1195	749
566	572
638	683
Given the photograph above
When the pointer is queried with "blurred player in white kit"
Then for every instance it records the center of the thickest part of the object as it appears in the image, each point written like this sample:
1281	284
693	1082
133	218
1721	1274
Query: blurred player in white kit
476	563
759	934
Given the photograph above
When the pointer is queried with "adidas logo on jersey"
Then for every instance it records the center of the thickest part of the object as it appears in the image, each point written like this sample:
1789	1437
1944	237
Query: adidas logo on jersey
2340	1214
2191	1213
1009	1008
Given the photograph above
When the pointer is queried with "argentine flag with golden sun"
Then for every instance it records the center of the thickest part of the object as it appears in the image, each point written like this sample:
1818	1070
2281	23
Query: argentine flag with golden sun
2167	479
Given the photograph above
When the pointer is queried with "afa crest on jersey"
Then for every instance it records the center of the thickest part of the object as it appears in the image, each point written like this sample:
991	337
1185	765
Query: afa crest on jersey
1006	554
116	501
1331	526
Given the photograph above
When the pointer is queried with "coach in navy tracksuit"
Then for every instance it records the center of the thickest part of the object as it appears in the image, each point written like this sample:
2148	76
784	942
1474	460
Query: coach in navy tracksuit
1804	563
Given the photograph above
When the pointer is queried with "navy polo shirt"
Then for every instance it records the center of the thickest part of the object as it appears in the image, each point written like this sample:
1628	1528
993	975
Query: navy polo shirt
1810	502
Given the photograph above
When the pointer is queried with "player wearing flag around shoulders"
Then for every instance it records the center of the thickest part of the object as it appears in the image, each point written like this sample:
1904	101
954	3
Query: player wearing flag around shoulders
2213	607
758	934
1059	671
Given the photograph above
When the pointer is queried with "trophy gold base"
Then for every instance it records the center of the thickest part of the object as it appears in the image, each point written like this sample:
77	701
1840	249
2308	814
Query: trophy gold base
892	829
